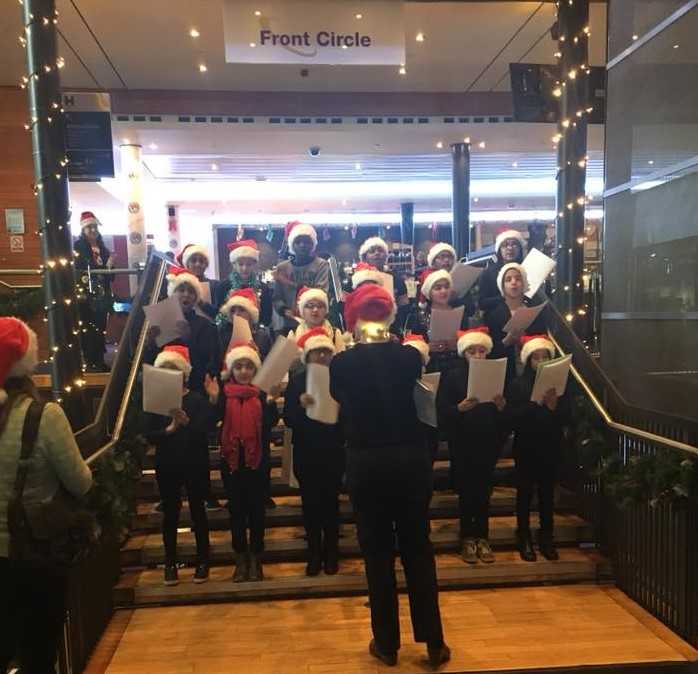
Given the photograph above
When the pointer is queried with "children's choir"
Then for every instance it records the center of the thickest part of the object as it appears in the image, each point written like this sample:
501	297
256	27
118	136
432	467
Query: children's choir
378	446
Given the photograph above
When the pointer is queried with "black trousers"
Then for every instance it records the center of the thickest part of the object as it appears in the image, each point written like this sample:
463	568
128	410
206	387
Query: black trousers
531	476
32	612
171	477
320	482
473	477
390	490
94	312
246	492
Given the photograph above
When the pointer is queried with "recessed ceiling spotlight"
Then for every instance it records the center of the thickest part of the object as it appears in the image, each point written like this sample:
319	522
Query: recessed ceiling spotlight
357	166
403	70
439	145
359	16
515	164
467	140
153	146
253	44
202	68
676	46
214	166
476	199
257	13
194	32
636	37
482	145
651	162
419	37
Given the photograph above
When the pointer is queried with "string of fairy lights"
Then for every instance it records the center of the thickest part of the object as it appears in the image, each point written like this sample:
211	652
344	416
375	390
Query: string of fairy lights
572	55
54	269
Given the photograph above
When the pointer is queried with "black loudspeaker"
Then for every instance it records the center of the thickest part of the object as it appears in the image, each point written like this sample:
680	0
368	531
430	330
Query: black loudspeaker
407	223
532	87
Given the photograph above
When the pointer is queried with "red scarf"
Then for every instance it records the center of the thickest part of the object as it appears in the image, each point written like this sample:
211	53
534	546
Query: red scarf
242	426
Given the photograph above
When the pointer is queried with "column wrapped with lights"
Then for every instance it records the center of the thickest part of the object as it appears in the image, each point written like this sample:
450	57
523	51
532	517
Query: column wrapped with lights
45	124
571	139
460	224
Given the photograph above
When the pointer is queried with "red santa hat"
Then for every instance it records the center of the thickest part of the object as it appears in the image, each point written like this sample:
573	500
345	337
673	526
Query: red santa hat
87	219
176	355
437	249
245	298
315	338
306	295
474	337
372	242
365	273
192	249
505	234
503	271
178	276
432	276
239	351
369	303
297	228
418	342
19	351
531	343
244	248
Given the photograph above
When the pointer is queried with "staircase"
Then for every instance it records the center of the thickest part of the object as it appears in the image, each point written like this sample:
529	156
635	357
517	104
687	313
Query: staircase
142	583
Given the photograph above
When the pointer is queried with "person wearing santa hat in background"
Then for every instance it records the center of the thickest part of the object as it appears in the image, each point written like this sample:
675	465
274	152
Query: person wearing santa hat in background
243	302
248	414
476	430
538	434
443	256
304	269
32	611
313	307
244	258
436	294
181	460
194	258
318	458
509	246
512	282
375	252
97	303
389	472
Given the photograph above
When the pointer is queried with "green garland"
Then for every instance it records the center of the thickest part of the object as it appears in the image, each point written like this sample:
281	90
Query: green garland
24	304
665	476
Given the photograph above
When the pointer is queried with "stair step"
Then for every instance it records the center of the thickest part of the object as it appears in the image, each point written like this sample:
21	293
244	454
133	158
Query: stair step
286	544
145	587
147	489
288	512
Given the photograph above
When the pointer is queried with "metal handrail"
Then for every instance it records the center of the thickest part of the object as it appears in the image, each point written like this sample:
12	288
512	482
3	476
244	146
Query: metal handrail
12	286
617	426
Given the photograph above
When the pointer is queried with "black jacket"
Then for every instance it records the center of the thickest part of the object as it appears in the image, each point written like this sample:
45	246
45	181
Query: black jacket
497	318
480	430
188	445
314	444
260	336
374	385
538	432
204	352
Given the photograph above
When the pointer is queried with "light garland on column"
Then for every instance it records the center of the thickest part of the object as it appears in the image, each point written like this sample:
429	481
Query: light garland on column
53	114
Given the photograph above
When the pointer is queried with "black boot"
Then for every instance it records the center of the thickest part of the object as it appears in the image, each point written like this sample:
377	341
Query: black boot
256	573
331	557
314	565
438	654
388	659
242	568
525	546
546	545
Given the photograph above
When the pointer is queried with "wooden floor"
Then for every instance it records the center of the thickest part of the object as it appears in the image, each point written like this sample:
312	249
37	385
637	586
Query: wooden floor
488	630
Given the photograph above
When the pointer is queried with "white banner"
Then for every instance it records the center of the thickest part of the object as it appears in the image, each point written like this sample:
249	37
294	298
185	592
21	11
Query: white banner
333	32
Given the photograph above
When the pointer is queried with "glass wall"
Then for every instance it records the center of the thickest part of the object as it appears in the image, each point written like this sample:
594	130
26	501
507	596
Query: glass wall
650	303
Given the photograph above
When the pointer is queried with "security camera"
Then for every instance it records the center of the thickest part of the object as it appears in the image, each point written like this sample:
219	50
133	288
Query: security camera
314	150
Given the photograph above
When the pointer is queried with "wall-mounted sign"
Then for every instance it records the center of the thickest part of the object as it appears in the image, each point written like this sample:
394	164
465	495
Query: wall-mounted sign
16	243
314	32
88	137
14	220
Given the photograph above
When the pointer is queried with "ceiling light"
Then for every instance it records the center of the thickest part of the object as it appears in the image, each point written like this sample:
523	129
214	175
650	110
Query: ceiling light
476	199
357	166
258	13
126	141
481	145
676	46
194	33
467	140
359	16
515	164
253	44
636	37
202	68
403	70
419	37
214	167
439	145
344	46
153	146
651	162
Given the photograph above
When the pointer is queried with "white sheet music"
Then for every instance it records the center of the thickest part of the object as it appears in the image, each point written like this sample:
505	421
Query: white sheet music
551	374
162	390
425	398
166	315
538	267
486	378
464	277
325	409
445	323
276	364
241	331
523	317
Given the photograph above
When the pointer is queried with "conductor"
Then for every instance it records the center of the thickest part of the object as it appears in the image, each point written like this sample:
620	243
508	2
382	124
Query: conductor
389	473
